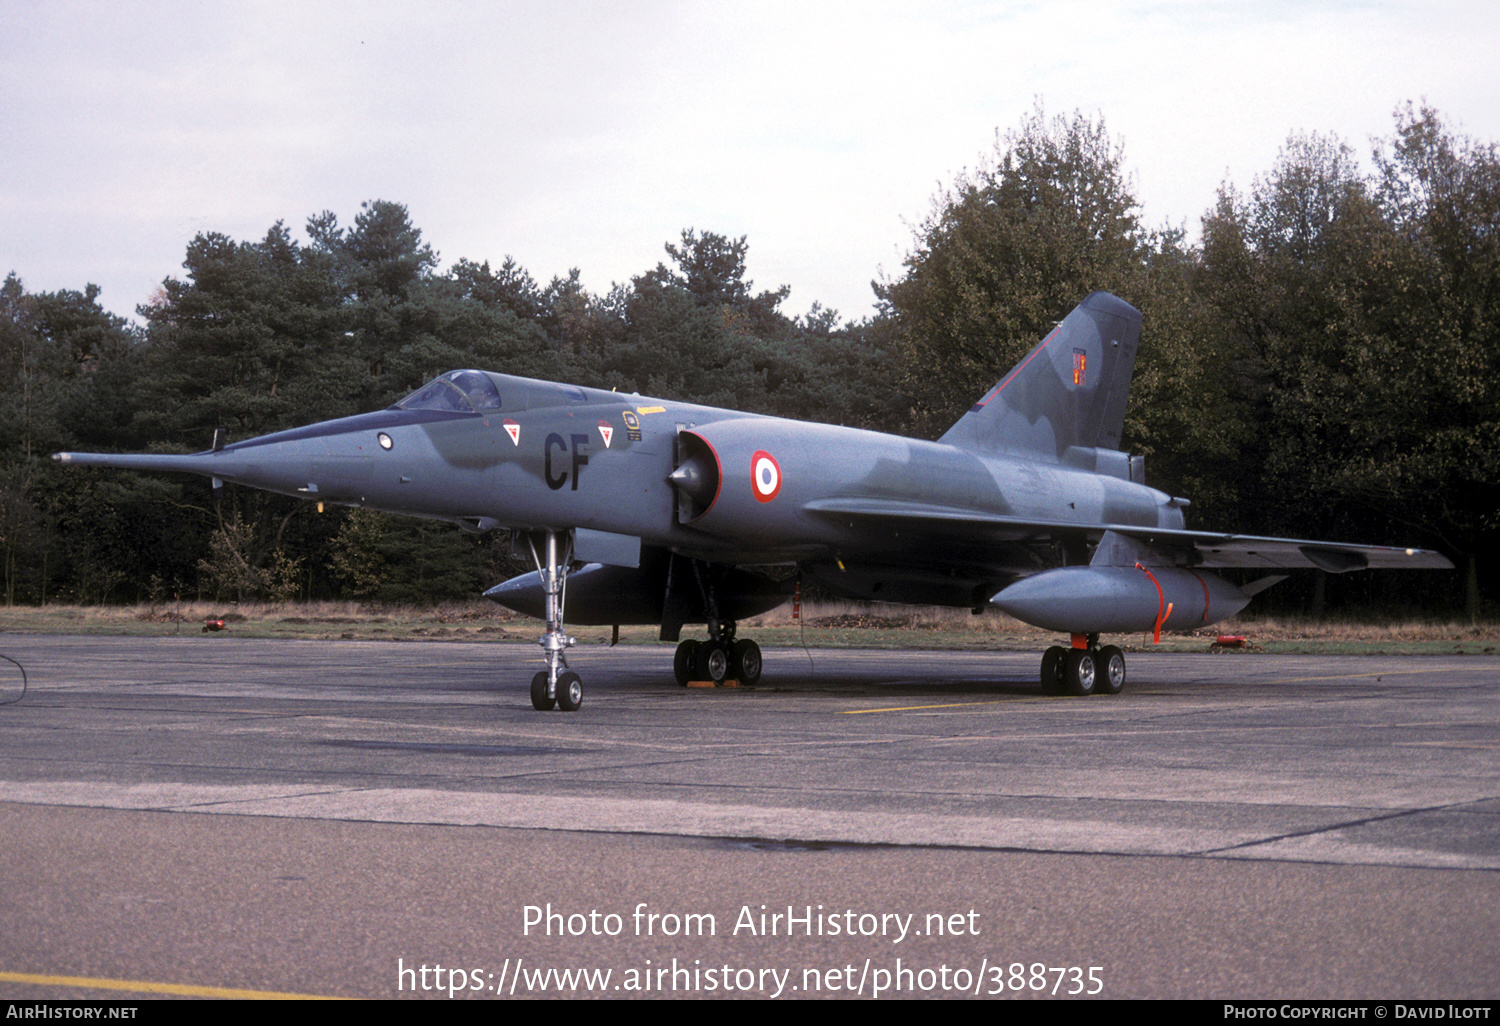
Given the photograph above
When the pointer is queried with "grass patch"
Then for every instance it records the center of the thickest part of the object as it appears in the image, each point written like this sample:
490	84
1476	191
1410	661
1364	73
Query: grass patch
825	625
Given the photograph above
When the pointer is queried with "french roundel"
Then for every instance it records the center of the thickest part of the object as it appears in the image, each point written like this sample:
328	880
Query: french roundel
765	476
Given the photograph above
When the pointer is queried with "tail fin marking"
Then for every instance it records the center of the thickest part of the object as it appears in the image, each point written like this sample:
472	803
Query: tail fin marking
1068	392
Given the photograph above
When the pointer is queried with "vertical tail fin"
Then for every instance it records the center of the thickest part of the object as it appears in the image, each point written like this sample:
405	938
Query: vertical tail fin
1069	391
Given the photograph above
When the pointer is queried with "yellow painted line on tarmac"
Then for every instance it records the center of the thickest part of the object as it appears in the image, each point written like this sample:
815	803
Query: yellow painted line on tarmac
151	987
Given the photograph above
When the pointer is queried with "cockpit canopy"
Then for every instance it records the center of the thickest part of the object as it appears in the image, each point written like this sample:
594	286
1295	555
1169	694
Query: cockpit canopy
460	391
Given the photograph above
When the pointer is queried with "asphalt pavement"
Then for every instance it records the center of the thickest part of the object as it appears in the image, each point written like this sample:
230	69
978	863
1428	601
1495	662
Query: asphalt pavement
210	815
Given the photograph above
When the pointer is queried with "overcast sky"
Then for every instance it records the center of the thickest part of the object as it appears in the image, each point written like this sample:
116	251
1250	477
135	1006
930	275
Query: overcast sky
588	134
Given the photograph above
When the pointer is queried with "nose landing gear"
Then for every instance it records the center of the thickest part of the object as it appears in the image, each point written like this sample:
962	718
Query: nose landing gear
556	685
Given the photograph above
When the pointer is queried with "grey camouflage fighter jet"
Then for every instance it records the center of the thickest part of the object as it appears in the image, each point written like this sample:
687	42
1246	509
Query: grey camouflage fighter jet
648	511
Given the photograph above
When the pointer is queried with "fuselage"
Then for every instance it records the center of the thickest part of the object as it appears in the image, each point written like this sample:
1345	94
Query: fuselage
712	484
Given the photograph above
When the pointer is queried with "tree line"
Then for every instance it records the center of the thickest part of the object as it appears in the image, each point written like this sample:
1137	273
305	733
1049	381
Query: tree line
1322	363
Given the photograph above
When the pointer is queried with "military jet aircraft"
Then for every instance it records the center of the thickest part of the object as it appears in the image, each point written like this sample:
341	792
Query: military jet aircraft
638	510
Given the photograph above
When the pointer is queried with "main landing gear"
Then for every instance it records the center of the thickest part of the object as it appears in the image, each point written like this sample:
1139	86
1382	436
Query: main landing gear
718	660
721	657
1084	669
556	685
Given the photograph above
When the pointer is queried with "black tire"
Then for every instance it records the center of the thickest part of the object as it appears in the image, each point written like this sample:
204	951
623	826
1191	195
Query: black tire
1052	670
539	700
569	691
1080	672
684	661
745	663
1111	670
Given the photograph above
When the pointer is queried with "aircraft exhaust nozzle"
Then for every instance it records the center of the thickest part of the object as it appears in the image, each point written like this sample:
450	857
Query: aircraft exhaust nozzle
1120	599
